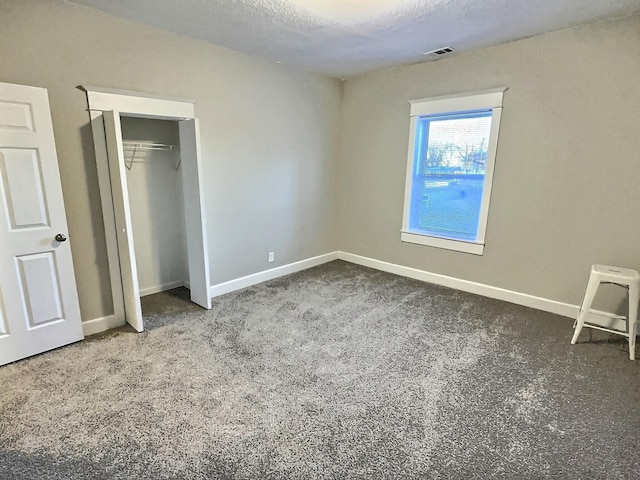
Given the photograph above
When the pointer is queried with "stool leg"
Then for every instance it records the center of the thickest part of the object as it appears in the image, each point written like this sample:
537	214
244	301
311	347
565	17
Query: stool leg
592	287
633	317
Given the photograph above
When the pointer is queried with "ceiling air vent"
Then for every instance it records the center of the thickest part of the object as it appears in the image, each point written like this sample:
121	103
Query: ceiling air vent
438	53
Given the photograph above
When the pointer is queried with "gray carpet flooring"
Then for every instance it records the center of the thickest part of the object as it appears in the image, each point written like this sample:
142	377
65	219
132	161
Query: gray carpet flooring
337	372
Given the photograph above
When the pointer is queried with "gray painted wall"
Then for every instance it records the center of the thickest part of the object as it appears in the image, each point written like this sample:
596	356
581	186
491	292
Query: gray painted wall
268	133
566	189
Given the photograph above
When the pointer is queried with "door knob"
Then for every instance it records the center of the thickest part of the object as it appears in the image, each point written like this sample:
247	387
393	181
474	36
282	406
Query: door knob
60	237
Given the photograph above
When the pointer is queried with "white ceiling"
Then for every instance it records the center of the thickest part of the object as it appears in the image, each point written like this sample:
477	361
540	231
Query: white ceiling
343	38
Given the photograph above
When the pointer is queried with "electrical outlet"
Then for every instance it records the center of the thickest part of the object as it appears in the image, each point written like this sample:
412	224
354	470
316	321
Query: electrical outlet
272	256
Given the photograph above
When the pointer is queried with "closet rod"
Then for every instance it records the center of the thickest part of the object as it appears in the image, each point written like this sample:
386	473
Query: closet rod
150	146
135	146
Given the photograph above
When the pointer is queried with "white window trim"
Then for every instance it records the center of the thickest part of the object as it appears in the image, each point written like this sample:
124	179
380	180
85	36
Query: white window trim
486	99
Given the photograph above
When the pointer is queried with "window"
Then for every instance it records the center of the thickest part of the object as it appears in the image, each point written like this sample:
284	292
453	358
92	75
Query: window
452	149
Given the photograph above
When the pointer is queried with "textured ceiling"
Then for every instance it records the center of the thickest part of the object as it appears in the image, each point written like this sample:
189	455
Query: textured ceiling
343	38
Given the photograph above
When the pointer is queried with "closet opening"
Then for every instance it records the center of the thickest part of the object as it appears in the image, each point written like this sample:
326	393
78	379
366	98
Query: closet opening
151	189
154	184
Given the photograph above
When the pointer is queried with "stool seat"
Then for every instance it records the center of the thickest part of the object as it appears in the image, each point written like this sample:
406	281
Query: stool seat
614	274
624	277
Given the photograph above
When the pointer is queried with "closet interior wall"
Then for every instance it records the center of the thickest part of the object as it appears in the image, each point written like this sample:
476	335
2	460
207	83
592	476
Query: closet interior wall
154	185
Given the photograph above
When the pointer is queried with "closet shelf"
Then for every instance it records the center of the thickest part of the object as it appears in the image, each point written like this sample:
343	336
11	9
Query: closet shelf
135	147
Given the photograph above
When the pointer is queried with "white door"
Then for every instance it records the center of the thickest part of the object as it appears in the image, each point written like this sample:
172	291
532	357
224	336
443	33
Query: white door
122	213
194	216
38	298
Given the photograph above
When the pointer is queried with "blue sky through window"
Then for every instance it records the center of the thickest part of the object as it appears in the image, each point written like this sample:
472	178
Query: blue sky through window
449	168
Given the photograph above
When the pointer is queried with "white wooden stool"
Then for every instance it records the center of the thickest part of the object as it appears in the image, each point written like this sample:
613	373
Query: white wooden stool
624	277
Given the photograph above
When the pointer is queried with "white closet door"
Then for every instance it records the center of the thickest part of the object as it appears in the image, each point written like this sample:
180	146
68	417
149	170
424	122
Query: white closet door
122	213
38	298
194	215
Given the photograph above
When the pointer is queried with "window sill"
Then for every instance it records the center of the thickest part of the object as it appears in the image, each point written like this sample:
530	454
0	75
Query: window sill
447	244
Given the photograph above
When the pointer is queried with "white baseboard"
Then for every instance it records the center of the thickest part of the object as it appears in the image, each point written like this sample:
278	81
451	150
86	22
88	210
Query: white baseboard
249	280
564	309
539	303
161	288
97	325
91	327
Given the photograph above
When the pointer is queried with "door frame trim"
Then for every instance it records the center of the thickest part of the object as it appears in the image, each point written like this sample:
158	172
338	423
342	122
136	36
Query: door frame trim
129	103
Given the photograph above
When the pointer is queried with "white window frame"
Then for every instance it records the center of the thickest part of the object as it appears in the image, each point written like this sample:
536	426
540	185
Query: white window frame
450	104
